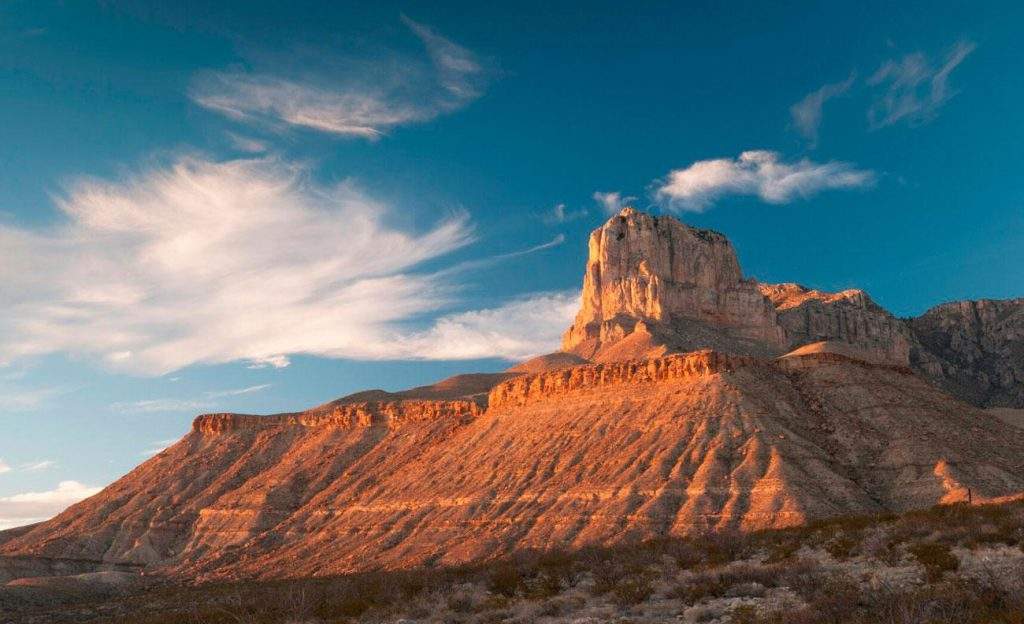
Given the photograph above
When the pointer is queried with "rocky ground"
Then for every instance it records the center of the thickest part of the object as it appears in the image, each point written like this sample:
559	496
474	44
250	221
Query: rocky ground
950	564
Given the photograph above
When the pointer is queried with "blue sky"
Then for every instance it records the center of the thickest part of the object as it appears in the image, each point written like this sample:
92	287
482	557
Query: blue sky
264	206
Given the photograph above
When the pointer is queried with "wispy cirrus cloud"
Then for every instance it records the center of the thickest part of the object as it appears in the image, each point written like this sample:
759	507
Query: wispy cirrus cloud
152	406
560	214
807	113
207	401
761	173
37	466
365	102
30	507
915	87
520	328
237	391
158	446
205	261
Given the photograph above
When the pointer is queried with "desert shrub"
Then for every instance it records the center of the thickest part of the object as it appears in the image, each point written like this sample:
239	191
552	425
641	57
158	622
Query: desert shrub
722	547
552	608
745	614
461	602
632	590
841	547
608	576
936	559
505	580
699	587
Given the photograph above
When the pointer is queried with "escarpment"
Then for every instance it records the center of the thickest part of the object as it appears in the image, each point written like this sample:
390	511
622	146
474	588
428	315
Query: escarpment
541	386
390	414
688	399
654	286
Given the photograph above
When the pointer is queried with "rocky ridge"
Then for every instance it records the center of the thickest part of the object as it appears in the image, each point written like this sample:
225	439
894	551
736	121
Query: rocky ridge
654	286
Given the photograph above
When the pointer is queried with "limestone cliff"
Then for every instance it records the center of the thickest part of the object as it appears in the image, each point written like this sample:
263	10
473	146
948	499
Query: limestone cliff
654	286
680	286
850	317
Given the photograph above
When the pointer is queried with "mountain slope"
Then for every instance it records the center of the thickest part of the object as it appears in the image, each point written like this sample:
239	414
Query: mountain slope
592	454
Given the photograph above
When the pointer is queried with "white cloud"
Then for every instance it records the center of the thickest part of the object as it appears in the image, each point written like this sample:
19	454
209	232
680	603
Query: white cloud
215	262
209	401
237	391
158	446
17	399
916	88
273	361
559	214
38	465
519	329
365	103
759	173
246	144
29	507
151	406
4	466
612	202
807	112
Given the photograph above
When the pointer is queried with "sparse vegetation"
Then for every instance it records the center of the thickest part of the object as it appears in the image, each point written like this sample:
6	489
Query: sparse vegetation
945	565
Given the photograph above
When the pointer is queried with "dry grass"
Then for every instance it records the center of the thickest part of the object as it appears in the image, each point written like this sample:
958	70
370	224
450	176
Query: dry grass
937	566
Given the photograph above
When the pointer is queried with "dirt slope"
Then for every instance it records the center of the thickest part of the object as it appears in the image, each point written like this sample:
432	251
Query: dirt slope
592	454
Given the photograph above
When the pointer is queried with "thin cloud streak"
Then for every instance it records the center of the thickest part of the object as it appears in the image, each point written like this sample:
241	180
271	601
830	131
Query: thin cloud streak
37	466
560	214
807	113
365	104
915	89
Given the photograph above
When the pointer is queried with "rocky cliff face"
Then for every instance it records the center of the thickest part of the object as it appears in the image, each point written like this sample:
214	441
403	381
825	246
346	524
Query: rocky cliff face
682	285
655	286
850	317
974	349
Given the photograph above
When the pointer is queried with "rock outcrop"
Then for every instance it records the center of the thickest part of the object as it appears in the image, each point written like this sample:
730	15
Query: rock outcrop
679	285
974	349
850	317
654	286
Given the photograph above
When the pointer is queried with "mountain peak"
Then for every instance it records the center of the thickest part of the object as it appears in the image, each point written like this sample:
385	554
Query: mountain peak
681	284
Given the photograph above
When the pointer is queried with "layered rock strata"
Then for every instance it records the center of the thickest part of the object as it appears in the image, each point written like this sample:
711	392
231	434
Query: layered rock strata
597	453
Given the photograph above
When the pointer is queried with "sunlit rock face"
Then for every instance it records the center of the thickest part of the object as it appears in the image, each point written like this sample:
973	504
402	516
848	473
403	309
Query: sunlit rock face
682	285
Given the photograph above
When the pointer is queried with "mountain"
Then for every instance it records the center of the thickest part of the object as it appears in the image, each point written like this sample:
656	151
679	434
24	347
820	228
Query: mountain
654	285
687	398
